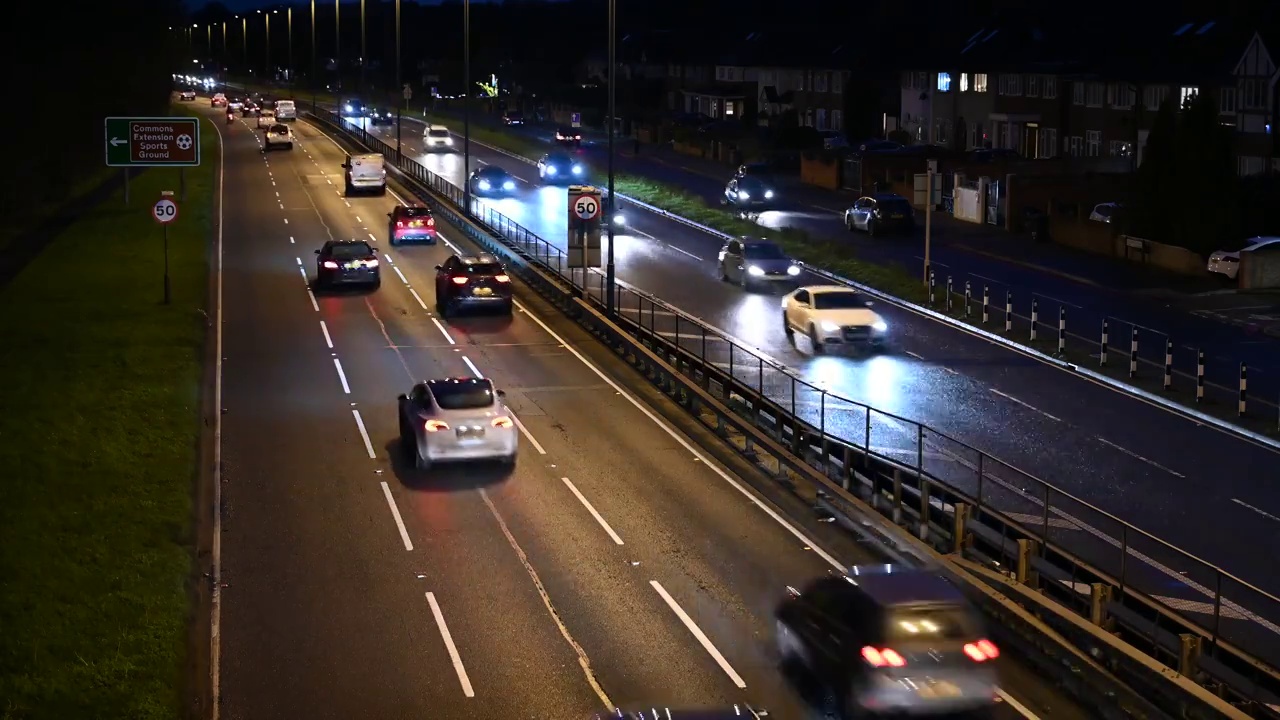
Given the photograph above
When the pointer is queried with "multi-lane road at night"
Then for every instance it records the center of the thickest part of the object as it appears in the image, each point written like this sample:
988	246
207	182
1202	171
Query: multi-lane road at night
617	564
1128	456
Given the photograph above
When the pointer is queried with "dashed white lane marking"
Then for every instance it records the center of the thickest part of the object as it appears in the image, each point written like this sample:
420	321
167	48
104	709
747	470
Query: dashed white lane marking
1026	405
395	513
312	297
441	327
448	644
371	237
364	434
423	305
918	357
327	339
337	364
1260	511
698	634
358	219
1136	456
291	240
387	256
402	277
591	509
472	367
686	252
286	221
299	261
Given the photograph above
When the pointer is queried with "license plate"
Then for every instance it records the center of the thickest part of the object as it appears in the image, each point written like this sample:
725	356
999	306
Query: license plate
482	291
896	216
467	433
353	265
938	690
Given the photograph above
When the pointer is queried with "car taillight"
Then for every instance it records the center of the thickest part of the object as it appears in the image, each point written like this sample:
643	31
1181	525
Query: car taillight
371	262
331	264
981	651
882	657
399	223
436	425
502	422
431	222
459	280
502	278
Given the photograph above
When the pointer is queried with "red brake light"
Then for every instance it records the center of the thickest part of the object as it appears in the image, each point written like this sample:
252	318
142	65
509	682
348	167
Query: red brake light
331	264
459	280
981	651
436	425
431	222
502	278
882	657
502	422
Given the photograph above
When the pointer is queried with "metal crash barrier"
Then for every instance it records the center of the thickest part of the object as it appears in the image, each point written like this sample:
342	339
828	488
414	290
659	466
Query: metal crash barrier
1106	599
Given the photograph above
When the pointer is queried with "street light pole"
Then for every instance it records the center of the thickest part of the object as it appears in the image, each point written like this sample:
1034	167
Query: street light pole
399	89
313	54
289	44
364	57
208	40
610	276
466	104
337	40
244	39
266	73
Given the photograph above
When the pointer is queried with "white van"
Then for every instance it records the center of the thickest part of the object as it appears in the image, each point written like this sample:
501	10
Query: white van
286	111
366	171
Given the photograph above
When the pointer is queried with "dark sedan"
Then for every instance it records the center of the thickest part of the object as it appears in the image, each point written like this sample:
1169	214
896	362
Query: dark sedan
492	181
347	262
559	167
379	116
569	136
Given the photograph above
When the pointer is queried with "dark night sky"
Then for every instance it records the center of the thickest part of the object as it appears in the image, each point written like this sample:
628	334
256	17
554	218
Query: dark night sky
237	6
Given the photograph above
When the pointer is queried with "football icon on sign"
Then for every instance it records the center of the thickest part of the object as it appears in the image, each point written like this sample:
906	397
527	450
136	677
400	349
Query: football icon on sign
184	142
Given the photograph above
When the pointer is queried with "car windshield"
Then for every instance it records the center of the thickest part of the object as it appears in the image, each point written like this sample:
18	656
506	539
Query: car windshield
838	300
558	160
493	173
754	170
928	623
348	251
895	206
763	251
467	394
438	132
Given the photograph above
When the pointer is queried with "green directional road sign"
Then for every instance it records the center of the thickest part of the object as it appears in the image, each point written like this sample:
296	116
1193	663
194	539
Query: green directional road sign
152	141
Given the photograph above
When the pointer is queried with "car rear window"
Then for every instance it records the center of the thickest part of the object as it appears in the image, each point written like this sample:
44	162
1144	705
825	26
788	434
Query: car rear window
838	301
483	269
928	623
895	206
438	133
415	212
461	394
280	129
351	250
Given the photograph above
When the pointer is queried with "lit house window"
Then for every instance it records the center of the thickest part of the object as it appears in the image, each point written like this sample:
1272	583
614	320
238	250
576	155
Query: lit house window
1188	93
944	82
980	82
964	82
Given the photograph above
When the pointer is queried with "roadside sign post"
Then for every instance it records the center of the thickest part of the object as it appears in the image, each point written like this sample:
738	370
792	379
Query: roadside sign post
583	244
576	120
165	211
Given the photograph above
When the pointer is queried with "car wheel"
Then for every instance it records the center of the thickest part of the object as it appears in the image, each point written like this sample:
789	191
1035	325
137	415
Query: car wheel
289	146
789	650
848	223
393	240
818	347
377	283
349	188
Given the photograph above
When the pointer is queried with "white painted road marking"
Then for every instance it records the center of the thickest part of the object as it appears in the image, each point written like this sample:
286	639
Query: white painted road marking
364	434
472	366
591	509
337	364
312	296
448	644
1136	456
1026	405
698	634
527	435
423	305
1260	511
445	332
327	339
395	512
403	279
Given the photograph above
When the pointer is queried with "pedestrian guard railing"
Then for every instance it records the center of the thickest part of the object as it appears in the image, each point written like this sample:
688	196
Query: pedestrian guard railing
1086	574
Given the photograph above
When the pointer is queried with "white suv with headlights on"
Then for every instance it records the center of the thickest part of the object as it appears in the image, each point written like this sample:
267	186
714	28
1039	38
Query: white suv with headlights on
832	315
436	137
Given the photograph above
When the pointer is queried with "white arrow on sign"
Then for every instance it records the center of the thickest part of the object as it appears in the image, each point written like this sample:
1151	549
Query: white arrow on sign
117	142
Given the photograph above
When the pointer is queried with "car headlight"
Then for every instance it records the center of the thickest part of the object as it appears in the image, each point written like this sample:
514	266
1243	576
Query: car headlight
619	220
508	185
744	194
828	326
577	169
879	326
768	194
755	271
484	185
551	169
793	270
448	141
347	107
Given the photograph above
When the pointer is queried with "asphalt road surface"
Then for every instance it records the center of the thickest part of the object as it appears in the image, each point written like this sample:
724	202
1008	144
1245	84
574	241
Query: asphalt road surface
1166	474
617	564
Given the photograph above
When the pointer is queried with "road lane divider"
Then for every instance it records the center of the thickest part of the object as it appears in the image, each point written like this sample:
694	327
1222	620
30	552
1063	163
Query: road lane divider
328	340
449	646
472	367
364	434
440	326
700	636
337	364
395	513
591	509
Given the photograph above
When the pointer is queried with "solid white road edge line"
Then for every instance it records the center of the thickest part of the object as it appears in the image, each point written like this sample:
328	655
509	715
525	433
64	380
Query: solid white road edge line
364	434
698	634
215	555
591	509
327	339
448	644
395	513
337	364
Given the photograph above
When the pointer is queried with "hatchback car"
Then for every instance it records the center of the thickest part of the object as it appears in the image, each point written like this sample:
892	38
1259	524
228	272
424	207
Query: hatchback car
890	640
379	116
749	262
880	213
472	281
453	419
347	262
492	181
436	137
569	136
411	223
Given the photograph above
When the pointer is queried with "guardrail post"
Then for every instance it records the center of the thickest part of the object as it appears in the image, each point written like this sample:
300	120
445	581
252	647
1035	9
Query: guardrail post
1168	364
968	296
1244	388
1189	654
1102	355
949	291
958	536
1035	317
1062	330
1099	597
1199	375
923	534
932	286
1133	351
1026	550
846	472
986	302
1008	310
897	496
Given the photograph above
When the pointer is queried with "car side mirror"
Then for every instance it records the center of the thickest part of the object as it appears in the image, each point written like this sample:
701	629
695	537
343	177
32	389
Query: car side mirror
439	267
502	393
402	397
346	166
317	252
390	214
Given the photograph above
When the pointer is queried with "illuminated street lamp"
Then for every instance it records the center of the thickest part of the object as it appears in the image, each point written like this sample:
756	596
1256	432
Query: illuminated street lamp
466	104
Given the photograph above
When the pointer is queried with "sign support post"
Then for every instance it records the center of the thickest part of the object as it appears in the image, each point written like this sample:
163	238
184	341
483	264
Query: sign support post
585	209
165	211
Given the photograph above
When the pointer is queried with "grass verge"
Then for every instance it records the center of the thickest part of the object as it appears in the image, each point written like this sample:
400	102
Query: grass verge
27	218
98	441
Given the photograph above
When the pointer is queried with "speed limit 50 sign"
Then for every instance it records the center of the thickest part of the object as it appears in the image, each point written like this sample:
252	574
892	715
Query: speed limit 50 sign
165	211
586	207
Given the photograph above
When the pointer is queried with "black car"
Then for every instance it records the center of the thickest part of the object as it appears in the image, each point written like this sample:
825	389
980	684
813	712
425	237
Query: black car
513	117
889	639
351	108
569	136
347	262
379	116
751	187
882	212
411	223
251	107
472	281
560	167
492	181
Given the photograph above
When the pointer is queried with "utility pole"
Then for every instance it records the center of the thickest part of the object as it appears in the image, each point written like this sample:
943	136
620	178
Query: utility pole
610	277
364	57
466	105
337	39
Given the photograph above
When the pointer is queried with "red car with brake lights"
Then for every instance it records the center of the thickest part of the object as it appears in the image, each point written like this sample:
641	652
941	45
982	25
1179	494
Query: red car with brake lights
472	281
413	223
